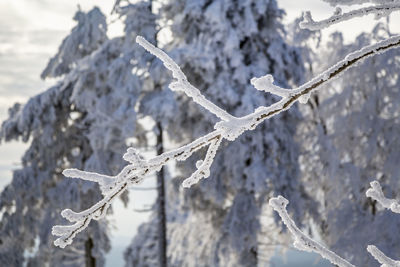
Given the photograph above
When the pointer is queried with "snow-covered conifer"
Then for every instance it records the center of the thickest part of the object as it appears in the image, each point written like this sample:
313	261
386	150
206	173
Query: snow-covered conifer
84	38
82	122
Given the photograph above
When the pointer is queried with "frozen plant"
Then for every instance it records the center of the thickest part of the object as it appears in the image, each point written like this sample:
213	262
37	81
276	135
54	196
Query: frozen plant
303	242
217	45
382	258
375	192
229	128
354	121
380	9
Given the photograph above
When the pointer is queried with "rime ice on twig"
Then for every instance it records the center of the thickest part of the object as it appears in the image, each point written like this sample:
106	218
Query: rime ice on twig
182	83
301	241
82	219
378	10
104	181
375	192
265	83
382	258
133	156
203	166
229	128
356	2
112	187
303	92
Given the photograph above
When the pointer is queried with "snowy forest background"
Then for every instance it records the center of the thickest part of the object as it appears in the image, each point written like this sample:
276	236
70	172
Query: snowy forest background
96	98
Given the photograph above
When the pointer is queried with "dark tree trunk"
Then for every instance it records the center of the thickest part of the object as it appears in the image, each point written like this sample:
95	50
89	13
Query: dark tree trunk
90	261
162	219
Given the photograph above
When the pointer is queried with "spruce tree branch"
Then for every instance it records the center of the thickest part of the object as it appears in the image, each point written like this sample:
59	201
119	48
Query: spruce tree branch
229	128
379	11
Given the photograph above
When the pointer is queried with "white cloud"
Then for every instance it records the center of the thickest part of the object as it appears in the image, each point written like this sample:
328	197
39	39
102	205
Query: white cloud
30	33
46	14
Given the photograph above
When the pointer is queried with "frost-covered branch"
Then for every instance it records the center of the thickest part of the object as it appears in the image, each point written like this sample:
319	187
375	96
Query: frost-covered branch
228	128
302	241
382	258
379	11
104	181
82	219
113	186
265	83
181	83
357	2
203	166
375	192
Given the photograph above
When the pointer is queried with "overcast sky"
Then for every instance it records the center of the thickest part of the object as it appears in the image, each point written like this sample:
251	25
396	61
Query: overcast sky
30	33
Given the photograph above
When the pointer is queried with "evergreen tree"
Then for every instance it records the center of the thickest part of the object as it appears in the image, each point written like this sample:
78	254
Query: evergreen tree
31	202
82	122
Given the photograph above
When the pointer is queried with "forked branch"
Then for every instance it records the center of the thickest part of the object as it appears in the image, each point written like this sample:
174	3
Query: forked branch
228	128
302	241
305	243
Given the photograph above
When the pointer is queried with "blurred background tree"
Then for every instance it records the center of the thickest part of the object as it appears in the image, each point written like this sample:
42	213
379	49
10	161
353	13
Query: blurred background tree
111	94
83	121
